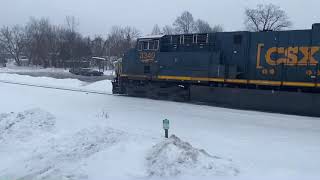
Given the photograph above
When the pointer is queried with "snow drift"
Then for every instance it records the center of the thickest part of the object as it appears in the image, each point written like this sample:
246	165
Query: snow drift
52	155
173	157
103	86
25	125
63	157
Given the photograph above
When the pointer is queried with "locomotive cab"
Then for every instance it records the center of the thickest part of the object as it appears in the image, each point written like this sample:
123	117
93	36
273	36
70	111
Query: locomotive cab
148	44
147	48
143	59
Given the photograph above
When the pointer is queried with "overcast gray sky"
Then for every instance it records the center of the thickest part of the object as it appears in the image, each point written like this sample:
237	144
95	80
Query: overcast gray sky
97	16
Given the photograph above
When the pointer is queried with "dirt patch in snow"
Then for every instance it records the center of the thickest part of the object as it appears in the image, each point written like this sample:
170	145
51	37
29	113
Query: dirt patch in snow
174	157
22	126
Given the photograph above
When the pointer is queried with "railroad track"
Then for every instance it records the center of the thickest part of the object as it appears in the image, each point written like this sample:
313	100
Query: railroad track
57	88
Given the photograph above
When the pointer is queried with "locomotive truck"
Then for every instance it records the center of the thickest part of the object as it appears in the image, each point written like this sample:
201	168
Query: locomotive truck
274	71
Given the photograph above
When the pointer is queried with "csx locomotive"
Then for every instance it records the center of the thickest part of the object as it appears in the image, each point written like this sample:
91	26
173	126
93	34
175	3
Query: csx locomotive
275	71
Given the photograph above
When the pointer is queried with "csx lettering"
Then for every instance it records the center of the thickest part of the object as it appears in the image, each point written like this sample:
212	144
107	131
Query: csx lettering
147	56
289	56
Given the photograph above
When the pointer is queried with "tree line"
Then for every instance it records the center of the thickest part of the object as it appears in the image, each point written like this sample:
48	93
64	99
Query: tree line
46	44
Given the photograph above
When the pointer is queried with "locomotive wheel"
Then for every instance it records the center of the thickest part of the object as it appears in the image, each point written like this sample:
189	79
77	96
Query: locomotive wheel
135	90
171	92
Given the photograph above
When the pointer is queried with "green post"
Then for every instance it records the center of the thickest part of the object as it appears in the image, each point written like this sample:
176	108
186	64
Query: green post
166	125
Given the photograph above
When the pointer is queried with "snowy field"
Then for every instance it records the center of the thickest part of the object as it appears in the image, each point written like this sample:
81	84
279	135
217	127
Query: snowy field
12	68
58	73
56	134
38	69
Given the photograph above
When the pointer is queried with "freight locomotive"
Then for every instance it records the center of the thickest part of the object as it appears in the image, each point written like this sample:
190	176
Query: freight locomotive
274	71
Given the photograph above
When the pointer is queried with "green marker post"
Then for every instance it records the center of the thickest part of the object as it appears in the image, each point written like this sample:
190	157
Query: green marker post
166	125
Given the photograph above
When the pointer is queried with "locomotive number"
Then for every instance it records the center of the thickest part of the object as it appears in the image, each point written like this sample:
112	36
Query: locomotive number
268	72
147	56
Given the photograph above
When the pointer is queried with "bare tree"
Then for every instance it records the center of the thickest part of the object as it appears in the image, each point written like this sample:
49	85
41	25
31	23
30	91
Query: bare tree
131	33
71	36
203	26
72	23
156	30
2	56
55	41
266	18
98	46
217	28
185	23
12	40
168	30
121	39
40	41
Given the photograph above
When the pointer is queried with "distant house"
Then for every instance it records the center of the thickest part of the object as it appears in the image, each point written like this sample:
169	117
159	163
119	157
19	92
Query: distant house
106	62
99	62
24	61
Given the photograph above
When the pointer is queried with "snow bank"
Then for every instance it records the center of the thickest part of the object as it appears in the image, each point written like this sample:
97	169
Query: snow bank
174	157
64	157
13	68
103	86
46	81
109	72
23	126
51	154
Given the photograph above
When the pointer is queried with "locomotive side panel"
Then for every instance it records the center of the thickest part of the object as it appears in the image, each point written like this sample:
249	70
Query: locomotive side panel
296	72
130	63
234	53
288	56
316	43
184	64
259	45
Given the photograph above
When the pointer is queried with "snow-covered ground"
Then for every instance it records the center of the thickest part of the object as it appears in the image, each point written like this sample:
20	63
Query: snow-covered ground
11	67
35	69
100	86
55	134
58	73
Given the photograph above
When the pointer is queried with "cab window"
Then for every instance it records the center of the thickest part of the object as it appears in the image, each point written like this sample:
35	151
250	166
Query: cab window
188	39
202	38
151	45
156	45
148	45
145	45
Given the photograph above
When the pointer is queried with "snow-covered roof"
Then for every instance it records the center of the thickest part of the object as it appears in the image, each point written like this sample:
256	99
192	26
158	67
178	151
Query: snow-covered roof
152	36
